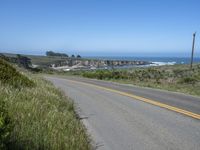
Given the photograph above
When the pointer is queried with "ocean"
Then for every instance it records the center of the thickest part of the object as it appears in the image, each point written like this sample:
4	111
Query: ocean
157	61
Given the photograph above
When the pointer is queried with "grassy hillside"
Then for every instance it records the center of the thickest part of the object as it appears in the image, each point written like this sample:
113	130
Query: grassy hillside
41	60
174	78
10	76
36	115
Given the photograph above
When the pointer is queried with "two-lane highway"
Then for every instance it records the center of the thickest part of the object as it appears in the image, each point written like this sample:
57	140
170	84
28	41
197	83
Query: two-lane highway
121	117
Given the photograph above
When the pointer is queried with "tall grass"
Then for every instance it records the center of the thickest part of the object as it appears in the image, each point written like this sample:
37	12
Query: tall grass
41	118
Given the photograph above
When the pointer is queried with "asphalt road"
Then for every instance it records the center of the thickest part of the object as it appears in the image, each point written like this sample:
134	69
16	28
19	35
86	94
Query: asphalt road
120	122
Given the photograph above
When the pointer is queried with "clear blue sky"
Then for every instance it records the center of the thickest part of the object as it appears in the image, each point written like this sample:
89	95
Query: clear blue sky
100	27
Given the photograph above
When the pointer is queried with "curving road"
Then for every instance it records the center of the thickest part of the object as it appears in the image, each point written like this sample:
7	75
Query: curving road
123	117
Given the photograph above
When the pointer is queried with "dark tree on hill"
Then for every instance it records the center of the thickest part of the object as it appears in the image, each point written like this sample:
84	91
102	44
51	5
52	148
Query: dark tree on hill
78	56
24	61
51	53
73	56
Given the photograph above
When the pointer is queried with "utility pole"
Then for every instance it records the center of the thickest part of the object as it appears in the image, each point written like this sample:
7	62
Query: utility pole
193	43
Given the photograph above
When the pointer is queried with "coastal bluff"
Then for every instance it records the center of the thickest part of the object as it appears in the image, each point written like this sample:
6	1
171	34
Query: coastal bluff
77	64
61	63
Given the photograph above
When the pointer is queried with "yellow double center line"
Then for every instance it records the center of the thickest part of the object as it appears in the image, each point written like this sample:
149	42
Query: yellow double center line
146	100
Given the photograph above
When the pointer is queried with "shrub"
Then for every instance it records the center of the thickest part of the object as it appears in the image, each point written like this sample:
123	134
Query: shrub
188	80
10	76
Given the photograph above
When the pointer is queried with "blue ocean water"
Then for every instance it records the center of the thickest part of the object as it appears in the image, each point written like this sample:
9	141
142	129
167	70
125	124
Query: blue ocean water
156	60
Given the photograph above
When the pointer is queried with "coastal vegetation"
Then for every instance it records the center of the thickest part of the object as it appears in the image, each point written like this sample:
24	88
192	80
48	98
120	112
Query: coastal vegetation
174	78
178	78
36	115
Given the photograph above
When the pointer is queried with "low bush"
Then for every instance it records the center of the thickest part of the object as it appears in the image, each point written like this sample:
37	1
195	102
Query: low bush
188	80
164	77
10	76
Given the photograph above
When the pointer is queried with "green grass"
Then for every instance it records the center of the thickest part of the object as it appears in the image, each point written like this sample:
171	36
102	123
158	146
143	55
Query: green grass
178	78
41	60
38	117
5	125
45	61
9	75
